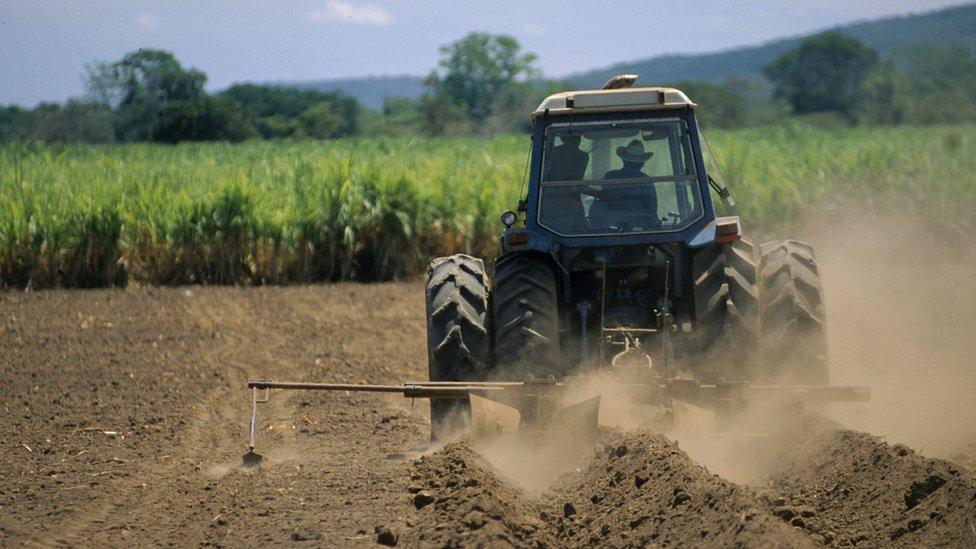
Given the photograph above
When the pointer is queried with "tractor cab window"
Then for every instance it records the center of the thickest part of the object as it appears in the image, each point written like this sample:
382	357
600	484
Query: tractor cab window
630	176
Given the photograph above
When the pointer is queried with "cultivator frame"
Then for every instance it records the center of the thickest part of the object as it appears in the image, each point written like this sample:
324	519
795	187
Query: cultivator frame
541	407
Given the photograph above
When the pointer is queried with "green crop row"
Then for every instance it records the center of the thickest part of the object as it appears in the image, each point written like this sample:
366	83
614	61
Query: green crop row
376	209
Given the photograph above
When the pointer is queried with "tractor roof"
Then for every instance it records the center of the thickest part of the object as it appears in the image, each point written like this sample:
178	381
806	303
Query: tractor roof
613	100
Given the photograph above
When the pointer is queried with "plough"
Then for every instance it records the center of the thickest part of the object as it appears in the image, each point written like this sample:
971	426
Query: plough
542	403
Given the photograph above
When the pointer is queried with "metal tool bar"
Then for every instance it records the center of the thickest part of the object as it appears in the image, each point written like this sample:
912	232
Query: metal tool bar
629	330
268	384
838	393
408	390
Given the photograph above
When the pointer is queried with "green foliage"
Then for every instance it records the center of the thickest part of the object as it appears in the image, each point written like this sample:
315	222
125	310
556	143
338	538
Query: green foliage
278	111
204	119
378	208
474	70
14	123
74	121
139	85
321	121
719	105
941	84
884	96
823	74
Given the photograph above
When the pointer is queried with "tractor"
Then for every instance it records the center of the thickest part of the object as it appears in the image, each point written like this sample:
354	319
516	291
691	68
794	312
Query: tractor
617	254
616	259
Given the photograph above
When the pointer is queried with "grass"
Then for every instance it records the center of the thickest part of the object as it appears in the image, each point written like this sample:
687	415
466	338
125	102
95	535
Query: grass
273	212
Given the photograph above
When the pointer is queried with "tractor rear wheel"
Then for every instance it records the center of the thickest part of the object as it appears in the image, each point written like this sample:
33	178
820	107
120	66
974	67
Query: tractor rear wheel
793	346
726	310
526	318
458	334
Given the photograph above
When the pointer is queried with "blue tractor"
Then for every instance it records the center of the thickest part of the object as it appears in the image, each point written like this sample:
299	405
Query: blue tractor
616	254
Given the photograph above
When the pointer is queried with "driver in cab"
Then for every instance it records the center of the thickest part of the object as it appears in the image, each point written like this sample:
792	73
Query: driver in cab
623	206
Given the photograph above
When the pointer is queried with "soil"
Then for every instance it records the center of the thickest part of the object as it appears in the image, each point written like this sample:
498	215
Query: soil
126	409
854	488
124	423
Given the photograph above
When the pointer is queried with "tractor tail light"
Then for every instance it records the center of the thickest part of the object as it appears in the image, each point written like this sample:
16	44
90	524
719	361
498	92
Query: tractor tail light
727	230
516	238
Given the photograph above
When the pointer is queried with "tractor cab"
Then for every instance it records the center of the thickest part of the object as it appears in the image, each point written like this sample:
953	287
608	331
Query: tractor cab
619	165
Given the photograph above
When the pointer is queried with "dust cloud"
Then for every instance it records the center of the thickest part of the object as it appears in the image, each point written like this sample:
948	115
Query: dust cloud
534	461
901	318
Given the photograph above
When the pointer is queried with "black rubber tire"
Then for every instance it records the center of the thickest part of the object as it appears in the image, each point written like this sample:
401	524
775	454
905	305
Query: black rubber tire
793	345
458	335
525	314
726	310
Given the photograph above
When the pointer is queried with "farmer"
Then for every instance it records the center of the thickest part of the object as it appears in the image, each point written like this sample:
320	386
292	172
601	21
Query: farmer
634	157
623	206
567	162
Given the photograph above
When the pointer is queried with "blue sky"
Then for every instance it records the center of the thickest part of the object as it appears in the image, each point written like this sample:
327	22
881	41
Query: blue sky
44	44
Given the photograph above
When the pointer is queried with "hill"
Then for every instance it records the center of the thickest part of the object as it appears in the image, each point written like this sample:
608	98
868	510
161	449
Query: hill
891	36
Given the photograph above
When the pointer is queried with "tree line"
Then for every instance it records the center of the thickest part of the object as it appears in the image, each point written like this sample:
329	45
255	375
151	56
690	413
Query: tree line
485	84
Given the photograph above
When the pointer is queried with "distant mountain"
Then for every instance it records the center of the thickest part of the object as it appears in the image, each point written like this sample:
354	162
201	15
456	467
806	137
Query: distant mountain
370	90
891	36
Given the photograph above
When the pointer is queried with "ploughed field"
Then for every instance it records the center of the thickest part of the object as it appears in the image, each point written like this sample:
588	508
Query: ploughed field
124	414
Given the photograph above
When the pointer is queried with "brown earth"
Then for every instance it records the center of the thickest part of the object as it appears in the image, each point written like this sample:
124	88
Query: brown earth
854	489
124	418
165	369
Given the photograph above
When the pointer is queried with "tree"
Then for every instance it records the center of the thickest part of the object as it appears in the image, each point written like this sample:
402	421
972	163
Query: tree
203	119
276	109
321	121
14	122
824	73
942	84
139	85
74	121
719	105
475	69
440	116
884	96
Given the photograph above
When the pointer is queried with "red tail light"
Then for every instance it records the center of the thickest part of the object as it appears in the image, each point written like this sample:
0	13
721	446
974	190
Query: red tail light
727	230
516	238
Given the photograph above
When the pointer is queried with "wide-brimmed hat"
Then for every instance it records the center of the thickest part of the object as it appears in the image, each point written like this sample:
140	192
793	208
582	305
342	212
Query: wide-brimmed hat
634	152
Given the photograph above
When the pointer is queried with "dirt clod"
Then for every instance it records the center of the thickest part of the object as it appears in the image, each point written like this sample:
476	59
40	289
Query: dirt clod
385	536
920	490
422	499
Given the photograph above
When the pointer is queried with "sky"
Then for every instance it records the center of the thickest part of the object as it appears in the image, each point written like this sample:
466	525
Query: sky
45	44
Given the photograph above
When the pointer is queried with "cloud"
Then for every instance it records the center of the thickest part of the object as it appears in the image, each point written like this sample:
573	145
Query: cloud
339	10
147	20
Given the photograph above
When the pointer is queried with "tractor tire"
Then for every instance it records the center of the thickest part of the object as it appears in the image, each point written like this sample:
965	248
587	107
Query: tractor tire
525	313
793	346
458	335
726	310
